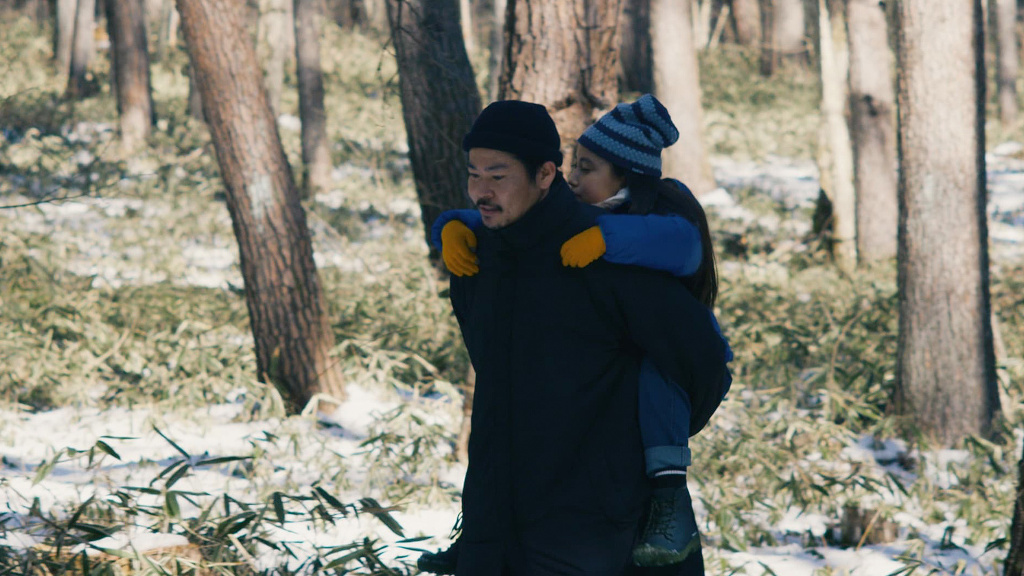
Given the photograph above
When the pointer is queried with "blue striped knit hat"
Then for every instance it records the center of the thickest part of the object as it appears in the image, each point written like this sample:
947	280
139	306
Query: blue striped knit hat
632	135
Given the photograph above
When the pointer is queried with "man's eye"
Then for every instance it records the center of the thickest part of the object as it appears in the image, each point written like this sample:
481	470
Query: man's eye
497	177
471	175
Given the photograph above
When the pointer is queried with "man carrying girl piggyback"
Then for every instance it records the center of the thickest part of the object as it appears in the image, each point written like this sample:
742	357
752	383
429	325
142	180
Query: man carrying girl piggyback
651	222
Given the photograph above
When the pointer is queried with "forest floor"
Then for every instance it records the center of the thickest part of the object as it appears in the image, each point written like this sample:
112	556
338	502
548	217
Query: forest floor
132	426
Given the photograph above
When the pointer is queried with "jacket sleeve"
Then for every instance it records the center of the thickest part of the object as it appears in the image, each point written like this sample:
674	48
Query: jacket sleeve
667	243
677	333
471	218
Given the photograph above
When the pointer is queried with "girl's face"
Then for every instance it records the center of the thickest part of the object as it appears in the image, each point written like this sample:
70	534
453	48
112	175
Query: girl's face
593	178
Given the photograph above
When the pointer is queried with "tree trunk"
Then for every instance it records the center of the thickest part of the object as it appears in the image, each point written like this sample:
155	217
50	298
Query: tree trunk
767	63
788	21
466	20
64	34
1007	56
837	170
746	15
636	62
497	48
376	14
127	24
677	85
167	33
81	48
946	379
565	56
316	151
872	121
282	288
195	100
439	101
274	26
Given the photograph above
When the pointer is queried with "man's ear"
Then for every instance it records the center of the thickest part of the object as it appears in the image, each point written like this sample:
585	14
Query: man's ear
546	175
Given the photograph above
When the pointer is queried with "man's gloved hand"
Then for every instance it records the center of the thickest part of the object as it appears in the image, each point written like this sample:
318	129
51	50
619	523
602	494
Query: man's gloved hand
583	248
458	243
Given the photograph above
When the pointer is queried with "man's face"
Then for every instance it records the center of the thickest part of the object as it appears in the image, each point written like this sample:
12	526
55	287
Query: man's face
500	187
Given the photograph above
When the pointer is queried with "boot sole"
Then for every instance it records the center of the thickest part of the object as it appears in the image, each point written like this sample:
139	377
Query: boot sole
647	556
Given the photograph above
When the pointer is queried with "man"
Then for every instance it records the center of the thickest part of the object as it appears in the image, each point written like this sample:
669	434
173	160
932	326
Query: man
556	481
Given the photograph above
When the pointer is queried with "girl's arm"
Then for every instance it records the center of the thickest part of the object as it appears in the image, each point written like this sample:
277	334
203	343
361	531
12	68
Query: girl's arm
471	218
667	243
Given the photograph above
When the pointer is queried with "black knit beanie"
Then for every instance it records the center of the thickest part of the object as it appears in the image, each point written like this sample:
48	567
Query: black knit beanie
521	128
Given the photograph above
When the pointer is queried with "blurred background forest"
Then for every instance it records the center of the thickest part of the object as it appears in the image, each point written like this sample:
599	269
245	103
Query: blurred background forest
226	344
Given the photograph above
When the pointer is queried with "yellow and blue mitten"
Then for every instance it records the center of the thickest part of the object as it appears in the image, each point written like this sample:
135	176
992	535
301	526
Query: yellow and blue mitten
458	245
583	248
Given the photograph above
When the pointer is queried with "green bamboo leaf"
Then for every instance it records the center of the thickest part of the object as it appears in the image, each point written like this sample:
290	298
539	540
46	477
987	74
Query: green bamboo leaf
334	502
373	507
173	444
278	507
178	475
104	447
171	505
221	460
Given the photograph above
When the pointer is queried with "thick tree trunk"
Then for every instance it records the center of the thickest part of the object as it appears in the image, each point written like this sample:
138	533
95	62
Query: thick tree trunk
1007	58
746	15
275	43
127	24
677	85
635	47
946	380
439	101
497	48
282	288
316	151
64	35
872	110
837	163
790	30
81	48
565	56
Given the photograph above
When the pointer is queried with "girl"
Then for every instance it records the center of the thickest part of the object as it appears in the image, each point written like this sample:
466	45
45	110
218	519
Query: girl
653	223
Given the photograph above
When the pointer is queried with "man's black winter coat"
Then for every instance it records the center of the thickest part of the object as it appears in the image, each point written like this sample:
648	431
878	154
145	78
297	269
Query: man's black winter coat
557	352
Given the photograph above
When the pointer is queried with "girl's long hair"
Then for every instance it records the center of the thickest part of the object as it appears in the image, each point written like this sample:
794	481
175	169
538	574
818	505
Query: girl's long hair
652	195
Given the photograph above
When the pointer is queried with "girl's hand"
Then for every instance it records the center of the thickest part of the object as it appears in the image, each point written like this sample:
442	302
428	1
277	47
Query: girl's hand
458	244
583	248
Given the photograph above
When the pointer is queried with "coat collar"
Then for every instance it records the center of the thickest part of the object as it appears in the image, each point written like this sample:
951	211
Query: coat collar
542	219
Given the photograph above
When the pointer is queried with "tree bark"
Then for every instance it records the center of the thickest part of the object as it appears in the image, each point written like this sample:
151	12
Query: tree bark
195	100
497	48
746	15
946	379
439	102
636	64
767	61
275	43
130	56
282	287
1007	59
565	56
788	21
837	163
167	33
872	122
677	85
64	34
81	49
316	151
